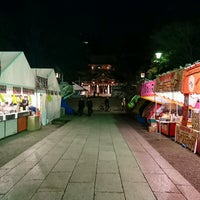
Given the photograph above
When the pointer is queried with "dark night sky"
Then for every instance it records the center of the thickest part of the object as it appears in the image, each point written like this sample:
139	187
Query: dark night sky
50	32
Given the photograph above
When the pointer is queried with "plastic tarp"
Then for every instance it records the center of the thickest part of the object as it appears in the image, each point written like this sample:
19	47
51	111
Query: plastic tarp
15	70
140	103
67	107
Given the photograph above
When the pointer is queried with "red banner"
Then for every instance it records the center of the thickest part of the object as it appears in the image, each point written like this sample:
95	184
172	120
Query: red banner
191	77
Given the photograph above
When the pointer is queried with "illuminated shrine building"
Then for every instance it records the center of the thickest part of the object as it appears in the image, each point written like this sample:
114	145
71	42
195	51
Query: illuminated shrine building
101	80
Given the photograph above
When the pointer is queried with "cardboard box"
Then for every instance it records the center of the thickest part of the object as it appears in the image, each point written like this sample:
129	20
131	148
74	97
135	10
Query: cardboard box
152	129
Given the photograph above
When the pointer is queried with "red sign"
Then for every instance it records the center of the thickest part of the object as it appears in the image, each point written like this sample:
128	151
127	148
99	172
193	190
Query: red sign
185	110
186	136
191	77
169	82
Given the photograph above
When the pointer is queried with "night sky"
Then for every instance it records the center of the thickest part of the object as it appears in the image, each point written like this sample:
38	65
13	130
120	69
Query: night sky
51	33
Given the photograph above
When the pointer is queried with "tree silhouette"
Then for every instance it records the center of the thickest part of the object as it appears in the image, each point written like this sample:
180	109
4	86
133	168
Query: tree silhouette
180	44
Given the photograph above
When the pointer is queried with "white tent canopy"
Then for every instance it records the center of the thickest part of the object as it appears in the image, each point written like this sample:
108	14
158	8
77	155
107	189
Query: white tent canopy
15	70
77	87
50	102
50	75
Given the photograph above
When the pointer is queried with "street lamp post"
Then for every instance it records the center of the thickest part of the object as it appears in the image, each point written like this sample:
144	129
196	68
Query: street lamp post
158	55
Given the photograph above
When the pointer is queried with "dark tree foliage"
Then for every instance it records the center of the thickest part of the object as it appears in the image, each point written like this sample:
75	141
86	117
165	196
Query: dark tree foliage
179	43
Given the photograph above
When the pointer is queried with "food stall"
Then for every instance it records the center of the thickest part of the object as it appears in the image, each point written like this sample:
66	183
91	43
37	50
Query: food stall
48	97
188	134
16	83
168	86
29	97
155	107
147	92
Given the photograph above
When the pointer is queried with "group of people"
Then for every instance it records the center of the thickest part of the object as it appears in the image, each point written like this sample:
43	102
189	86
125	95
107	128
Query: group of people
89	105
81	106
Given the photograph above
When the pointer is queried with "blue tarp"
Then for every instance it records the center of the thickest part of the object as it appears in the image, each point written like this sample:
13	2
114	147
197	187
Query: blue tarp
68	109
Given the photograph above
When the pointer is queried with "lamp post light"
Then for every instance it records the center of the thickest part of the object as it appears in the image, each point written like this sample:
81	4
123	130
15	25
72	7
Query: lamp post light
142	75
85	42
158	55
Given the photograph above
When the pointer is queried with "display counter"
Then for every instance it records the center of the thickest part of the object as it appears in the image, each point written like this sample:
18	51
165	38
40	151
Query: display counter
167	128
13	123
10	124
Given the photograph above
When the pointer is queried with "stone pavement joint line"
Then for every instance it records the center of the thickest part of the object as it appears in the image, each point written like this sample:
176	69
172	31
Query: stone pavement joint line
164	180
89	159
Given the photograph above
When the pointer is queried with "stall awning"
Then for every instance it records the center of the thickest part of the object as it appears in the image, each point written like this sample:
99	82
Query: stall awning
156	98
77	87
178	98
150	110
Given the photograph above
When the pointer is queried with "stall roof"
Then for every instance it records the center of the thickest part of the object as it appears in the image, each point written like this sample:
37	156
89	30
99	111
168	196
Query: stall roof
147	92
50	75
169	86
15	70
77	87
169	82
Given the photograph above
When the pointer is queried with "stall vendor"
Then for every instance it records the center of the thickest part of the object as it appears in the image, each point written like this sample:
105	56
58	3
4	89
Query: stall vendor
24	103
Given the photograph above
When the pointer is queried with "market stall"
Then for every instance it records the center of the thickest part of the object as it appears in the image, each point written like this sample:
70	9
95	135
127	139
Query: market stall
16	83
188	134
29	97
153	110
147	92
168	86
48	98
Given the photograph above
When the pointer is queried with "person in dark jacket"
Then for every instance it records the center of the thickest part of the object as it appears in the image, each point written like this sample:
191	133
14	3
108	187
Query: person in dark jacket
107	104
89	106
81	105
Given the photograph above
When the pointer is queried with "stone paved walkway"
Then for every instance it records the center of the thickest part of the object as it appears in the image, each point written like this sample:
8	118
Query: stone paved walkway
88	159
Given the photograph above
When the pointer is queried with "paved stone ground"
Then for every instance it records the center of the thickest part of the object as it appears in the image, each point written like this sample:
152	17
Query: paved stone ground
183	160
86	159
12	146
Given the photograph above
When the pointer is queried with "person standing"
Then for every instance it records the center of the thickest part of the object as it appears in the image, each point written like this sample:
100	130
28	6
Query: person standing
107	104
89	106
81	105
123	104
25	103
